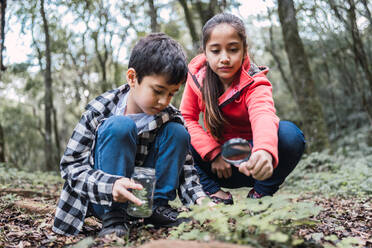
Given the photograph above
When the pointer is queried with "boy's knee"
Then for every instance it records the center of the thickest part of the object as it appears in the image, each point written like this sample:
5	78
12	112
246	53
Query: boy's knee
291	138
177	132
120	127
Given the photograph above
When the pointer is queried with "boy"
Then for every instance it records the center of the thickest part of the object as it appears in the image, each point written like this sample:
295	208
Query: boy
133	125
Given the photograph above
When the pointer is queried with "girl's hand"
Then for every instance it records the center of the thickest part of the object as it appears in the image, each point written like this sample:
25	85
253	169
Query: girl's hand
120	192
222	168
259	165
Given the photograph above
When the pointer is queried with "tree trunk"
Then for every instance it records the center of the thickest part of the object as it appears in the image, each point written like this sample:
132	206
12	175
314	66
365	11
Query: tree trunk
205	11
48	98
272	49
154	23
56	136
2	145
223	5
311	109
190	25
360	55
2	33
102	60
358	46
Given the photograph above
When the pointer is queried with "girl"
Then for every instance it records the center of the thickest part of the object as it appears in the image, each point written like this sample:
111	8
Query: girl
236	100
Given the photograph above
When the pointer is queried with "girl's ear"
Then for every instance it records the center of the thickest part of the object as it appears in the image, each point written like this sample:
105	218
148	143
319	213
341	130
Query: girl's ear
131	77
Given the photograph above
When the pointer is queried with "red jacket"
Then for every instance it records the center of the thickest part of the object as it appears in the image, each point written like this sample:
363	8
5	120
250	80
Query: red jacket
247	105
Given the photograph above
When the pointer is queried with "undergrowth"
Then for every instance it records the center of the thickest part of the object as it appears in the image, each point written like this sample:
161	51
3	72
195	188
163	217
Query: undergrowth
265	222
11	177
347	172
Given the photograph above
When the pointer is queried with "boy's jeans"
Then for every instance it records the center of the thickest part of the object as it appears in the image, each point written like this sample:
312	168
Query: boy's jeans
115	153
291	145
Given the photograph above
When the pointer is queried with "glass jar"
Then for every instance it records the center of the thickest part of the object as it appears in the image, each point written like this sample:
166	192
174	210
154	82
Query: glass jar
145	177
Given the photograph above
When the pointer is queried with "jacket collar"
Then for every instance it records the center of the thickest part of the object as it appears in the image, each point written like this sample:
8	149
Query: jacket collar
197	67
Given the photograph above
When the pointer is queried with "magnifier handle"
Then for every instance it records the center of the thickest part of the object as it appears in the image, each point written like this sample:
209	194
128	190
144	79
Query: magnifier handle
237	163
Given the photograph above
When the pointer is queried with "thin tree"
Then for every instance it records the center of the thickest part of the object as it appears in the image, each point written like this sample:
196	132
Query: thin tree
2	33
206	11
102	38
2	68
190	24
153	15
48	98
360	56
272	48
2	144
358	46
310	107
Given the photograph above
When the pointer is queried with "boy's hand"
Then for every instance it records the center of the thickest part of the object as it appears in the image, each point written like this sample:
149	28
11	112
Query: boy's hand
259	165
120	191
222	168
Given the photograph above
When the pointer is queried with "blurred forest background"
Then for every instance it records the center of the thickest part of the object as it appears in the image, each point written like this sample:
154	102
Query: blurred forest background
56	56
319	53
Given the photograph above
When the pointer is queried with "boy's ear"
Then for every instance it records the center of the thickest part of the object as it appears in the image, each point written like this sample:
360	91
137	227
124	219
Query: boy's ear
131	77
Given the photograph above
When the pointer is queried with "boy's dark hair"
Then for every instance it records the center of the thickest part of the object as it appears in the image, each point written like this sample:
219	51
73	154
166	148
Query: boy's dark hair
157	53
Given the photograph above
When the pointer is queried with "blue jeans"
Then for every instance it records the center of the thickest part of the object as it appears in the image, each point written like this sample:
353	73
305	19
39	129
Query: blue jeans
291	145
115	153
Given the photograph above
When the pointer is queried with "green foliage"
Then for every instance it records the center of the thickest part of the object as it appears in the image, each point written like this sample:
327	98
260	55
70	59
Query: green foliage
248	220
87	242
347	172
11	177
343	243
172	29
24	144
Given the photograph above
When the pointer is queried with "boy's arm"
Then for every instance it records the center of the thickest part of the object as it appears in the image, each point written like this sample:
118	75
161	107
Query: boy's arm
190	188
76	168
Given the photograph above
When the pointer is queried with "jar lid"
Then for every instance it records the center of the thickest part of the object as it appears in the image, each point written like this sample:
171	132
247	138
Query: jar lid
138	171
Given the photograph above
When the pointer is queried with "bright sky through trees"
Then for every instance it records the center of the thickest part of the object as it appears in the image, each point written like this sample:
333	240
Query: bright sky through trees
18	45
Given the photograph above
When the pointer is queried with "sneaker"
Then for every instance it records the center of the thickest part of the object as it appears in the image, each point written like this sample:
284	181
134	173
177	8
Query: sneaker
165	216
254	195
217	200
114	222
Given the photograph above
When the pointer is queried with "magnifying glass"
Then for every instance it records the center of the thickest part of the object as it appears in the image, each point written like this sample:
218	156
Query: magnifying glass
236	150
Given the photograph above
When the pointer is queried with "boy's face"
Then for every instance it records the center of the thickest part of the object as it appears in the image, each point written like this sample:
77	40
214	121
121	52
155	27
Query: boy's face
151	96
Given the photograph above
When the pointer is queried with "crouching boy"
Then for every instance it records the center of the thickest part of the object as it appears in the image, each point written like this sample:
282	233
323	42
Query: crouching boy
133	125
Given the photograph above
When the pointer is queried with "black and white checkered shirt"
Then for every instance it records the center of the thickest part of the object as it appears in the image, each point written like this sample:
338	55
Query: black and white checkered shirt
84	184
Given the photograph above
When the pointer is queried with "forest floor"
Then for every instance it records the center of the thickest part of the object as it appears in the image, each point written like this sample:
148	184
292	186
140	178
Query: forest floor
326	202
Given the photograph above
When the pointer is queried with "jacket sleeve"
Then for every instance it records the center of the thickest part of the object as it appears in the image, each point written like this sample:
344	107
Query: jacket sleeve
76	168
190	188
201	140
263	118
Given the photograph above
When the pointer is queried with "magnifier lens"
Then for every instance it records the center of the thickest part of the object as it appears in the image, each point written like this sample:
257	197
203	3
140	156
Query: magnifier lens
235	151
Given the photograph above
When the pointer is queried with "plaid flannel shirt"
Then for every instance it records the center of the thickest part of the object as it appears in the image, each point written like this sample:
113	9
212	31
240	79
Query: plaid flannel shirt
84	184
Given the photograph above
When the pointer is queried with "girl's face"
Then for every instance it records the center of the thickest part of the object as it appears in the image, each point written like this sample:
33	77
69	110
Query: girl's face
224	51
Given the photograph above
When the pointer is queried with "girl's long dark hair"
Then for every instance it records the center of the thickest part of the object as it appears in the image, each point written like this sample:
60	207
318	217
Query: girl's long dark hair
212	86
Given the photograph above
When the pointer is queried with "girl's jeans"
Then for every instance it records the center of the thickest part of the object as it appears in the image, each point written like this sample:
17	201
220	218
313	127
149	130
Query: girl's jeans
291	145
115	153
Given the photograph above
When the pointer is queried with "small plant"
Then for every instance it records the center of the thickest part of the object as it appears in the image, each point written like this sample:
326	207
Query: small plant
249	221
